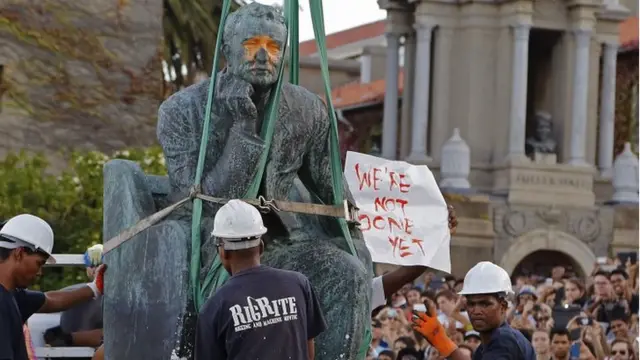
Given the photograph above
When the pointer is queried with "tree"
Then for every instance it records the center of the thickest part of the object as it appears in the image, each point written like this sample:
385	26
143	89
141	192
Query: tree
70	201
190	31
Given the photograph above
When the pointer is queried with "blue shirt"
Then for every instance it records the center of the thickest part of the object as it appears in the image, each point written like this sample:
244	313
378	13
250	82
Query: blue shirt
506	344
260	313
15	308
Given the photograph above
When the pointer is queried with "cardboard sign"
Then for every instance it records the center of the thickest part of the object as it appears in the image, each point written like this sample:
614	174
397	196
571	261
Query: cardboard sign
403	216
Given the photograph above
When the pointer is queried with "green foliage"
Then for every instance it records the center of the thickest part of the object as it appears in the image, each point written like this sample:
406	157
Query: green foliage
190	31
70	201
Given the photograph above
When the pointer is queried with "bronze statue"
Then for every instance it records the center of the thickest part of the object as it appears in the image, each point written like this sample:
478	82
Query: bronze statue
151	315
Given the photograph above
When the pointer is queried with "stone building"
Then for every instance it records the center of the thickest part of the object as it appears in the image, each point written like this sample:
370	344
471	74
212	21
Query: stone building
530	87
79	75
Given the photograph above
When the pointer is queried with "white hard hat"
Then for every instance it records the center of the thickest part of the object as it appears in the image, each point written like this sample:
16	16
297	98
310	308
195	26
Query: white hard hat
28	231
239	225
486	278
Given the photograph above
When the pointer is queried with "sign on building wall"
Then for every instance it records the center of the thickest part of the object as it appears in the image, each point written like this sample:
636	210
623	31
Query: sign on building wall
403	216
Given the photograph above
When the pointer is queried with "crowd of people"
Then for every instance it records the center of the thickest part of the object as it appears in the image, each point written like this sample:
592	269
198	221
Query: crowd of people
563	316
558	315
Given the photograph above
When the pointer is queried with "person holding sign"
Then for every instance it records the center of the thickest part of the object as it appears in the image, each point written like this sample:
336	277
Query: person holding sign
386	285
403	218
486	287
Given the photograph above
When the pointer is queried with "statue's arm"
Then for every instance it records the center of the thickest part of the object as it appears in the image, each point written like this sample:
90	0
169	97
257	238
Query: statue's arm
233	169
315	172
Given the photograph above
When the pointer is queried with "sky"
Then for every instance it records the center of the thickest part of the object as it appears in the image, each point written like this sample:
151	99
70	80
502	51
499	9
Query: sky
338	15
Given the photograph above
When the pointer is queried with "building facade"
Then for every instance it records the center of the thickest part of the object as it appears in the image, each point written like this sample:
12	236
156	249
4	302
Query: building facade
530	87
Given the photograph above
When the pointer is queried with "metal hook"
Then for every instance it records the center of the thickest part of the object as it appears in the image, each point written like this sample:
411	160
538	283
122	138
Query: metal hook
267	205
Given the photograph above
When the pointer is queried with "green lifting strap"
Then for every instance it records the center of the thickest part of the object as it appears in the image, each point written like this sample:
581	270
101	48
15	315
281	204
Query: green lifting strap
317	18
291	7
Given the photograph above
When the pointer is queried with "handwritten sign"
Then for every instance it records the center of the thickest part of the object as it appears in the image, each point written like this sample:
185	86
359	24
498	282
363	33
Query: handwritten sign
403	216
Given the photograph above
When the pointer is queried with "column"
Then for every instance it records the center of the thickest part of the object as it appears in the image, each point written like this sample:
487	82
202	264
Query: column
518	110
390	119
607	109
420	115
407	93
365	68
580	92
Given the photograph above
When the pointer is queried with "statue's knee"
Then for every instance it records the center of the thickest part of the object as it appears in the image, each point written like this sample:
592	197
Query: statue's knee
119	169
172	233
127	198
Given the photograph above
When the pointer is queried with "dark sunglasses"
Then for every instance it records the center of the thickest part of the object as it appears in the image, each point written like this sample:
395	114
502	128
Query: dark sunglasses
621	352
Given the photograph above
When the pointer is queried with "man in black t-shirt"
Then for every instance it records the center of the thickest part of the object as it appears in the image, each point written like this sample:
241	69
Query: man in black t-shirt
26	243
261	312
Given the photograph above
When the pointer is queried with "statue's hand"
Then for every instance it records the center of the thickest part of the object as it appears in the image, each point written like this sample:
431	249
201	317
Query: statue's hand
235	97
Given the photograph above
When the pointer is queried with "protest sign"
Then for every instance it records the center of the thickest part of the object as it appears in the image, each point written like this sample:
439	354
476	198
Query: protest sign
403	216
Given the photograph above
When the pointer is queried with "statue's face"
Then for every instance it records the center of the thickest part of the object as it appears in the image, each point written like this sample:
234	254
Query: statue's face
543	130
255	54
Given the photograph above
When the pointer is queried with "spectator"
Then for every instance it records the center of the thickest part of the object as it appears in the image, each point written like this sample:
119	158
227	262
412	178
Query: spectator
413	296
377	342
557	273
619	281
457	336
433	354
387	355
549	297
409	353
403	342
472	339
574	292
602	298
619	326
522	314
621	350
450	314
560	344
541	344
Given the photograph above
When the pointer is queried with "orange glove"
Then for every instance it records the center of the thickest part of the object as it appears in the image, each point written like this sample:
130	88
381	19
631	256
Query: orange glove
427	325
98	281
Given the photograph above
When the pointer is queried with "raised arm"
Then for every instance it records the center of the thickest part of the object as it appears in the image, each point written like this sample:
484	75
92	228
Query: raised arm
230	157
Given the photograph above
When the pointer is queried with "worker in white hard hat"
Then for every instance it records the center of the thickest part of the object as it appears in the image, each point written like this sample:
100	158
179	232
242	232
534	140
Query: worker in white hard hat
486	288
261	312
26	244
81	325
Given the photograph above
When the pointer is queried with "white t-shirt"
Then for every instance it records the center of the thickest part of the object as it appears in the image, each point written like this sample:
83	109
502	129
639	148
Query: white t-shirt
377	293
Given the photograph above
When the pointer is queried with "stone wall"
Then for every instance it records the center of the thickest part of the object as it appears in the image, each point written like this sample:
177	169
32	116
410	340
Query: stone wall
79	74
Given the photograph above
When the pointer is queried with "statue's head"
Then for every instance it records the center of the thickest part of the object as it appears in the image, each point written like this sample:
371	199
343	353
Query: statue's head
253	43
544	126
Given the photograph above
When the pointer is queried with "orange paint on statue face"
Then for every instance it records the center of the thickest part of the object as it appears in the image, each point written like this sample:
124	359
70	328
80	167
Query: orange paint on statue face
254	44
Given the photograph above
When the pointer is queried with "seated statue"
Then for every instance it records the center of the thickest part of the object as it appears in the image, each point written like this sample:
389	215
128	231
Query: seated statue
149	313
542	142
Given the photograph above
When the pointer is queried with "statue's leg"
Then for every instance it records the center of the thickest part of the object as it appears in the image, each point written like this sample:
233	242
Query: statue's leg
146	293
343	284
